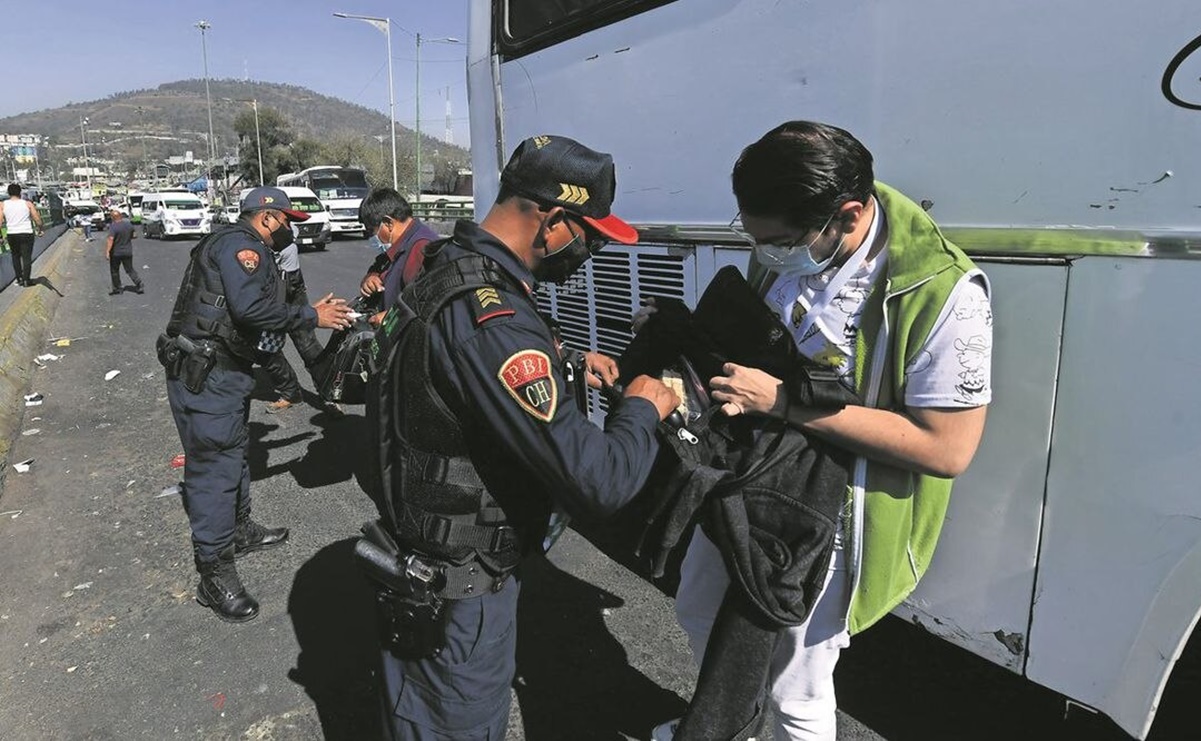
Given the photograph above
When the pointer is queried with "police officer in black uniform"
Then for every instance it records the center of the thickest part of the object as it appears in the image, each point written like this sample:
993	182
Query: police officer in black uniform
479	442
230	313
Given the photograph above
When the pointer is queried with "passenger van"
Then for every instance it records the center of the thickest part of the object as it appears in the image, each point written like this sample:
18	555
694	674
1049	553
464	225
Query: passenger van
1056	143
174	214
315	232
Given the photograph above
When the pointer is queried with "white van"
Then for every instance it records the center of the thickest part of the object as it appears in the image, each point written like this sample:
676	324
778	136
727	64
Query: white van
316	232
169	214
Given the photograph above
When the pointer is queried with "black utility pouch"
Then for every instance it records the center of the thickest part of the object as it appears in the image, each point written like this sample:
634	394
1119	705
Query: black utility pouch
414	628
196	366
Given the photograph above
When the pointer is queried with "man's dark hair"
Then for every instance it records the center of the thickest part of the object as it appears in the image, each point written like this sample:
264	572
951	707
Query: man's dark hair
383	203
800	172
509	193
14	189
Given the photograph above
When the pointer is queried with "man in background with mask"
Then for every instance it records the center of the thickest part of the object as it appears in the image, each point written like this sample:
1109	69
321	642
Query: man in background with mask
230	313
283	376
870	289
399	238
490	433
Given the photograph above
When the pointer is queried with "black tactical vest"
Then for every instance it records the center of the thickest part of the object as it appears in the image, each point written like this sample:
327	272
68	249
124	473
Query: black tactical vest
432	496
200	312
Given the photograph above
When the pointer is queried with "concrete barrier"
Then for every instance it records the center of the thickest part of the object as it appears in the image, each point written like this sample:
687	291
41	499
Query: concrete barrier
25	315
39	246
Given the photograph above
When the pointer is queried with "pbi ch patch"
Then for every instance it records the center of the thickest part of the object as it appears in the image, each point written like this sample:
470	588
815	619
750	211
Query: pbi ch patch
526	376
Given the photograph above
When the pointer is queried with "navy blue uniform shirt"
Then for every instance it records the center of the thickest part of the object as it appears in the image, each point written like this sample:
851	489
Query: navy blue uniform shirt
495	362
254	291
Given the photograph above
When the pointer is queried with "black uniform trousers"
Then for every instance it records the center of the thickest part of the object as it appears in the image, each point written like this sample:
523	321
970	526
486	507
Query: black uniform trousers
22	249
464	692
283	376
213	428
115	262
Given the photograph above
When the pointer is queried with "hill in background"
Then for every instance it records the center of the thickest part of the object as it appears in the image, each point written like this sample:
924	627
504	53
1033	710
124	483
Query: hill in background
130	129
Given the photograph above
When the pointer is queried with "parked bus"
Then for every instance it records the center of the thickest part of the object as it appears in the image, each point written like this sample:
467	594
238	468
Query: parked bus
340	189
1056	143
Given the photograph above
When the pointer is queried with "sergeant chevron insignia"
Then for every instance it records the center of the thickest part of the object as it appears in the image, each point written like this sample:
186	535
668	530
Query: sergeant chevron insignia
489	304
541	141
574	194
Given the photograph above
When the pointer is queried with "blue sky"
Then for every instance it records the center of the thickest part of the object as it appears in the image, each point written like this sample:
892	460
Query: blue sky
77	50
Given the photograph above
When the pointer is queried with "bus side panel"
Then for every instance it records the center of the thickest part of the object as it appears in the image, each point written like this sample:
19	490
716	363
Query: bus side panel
1021	113
1123	502
978	590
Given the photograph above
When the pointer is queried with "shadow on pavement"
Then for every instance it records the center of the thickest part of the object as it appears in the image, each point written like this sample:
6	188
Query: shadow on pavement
42	280
257	452
333	615
574	680
338	454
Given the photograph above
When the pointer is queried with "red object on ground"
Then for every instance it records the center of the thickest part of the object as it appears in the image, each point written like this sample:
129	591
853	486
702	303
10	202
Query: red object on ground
177	461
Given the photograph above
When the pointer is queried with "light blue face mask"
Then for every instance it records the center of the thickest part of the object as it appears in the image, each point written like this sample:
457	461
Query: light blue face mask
377	244
796	259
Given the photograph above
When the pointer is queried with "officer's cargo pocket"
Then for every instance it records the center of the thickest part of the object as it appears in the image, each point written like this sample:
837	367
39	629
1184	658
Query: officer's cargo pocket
437	717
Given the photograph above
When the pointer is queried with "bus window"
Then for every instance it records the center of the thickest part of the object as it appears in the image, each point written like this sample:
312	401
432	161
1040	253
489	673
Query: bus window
528	25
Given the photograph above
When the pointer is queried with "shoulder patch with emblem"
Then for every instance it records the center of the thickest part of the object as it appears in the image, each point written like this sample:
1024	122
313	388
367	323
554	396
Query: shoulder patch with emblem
488	303
249	260
526	376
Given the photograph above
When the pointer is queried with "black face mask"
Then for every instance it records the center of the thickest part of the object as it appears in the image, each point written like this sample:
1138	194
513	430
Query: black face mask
281	236
558	266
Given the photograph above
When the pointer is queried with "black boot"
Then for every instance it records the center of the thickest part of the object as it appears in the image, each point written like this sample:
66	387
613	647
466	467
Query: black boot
221	590
250	536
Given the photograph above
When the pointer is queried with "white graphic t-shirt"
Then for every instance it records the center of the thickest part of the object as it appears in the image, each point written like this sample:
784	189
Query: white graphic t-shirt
823	312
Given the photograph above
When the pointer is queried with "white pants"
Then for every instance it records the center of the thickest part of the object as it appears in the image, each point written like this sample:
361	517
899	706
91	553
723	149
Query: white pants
802	672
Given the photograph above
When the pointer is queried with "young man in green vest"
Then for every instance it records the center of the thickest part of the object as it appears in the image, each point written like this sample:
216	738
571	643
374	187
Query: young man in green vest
870	288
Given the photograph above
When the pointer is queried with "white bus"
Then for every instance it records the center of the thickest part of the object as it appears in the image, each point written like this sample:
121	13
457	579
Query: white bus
1057	143
340	189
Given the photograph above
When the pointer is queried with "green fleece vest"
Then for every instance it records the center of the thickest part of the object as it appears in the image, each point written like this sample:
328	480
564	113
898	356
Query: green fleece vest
903	511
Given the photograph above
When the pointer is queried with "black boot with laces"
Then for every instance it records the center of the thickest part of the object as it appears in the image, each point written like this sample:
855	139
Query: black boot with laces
250	536
220	589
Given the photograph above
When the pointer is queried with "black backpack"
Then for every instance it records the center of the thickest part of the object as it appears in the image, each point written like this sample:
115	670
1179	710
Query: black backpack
341	371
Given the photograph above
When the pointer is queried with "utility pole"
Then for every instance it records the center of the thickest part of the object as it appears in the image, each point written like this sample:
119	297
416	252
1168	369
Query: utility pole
384	25
450	132
204	26
83	137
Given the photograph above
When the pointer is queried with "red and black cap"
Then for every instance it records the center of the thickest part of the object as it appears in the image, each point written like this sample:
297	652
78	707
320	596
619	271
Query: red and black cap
557	171
266	197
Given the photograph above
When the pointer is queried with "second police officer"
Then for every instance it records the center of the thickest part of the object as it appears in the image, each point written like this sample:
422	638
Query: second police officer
230	313
481	441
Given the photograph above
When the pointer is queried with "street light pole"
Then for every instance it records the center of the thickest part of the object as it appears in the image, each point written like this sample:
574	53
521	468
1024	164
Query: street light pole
204	26
83	137
384	25
417	122
258	139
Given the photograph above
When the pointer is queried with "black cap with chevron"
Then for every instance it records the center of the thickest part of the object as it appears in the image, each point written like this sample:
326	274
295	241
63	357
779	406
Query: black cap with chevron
557	171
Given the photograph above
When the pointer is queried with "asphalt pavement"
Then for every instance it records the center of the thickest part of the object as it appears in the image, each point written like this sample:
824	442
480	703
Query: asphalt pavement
101	638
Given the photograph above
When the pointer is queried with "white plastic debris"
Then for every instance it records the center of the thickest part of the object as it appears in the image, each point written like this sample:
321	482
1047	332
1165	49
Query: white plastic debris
111	375
23	466
85	585
49	356
15	514
170	491
34	399
31	431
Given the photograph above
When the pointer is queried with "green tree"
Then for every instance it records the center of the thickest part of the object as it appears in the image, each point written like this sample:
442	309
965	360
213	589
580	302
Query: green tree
276	135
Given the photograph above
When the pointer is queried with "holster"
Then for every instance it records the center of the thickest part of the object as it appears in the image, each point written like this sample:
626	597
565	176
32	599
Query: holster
187	360
412	617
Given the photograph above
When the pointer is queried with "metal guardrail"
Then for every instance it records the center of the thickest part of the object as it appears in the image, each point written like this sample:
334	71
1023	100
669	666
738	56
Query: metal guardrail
446	212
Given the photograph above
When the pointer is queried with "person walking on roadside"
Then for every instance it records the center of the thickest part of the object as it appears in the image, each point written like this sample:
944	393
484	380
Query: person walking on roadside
22	219
230	313
118	248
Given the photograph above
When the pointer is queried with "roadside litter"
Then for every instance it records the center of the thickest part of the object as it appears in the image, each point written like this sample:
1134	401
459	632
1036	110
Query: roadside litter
14	512
111	375
23	466
34	399
170	491
32	431
177	461
49	356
